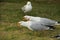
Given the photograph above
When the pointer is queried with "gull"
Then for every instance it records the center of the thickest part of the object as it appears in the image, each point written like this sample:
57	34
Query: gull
27	7
31	18
34	25
44	21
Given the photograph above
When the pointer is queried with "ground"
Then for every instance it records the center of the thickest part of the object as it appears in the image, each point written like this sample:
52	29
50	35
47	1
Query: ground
11	14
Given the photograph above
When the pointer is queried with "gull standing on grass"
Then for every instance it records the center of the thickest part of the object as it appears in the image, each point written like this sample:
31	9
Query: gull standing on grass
26	8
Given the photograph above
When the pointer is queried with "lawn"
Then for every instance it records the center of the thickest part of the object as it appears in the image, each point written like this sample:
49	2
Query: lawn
11	14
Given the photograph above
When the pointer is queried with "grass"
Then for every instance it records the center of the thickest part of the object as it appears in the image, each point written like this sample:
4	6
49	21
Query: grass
11	13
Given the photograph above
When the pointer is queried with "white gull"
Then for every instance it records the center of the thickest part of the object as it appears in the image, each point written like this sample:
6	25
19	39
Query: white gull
27	7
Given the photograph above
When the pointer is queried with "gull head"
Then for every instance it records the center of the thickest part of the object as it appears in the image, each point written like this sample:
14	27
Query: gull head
23	23
19	23
26	18
28	3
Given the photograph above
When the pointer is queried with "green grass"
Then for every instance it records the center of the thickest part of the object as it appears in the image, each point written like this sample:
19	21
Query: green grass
11	13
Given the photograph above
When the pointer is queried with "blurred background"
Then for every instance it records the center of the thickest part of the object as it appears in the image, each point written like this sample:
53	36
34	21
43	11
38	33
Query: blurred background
11	14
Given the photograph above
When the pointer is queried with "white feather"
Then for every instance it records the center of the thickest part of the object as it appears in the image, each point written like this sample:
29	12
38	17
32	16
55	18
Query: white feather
27	7
26	24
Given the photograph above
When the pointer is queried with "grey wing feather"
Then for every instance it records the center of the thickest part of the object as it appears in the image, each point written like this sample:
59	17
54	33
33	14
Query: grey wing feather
41	25
38	26
46	21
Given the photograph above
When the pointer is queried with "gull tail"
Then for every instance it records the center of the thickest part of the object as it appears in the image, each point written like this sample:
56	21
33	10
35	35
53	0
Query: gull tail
51	27
57	23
